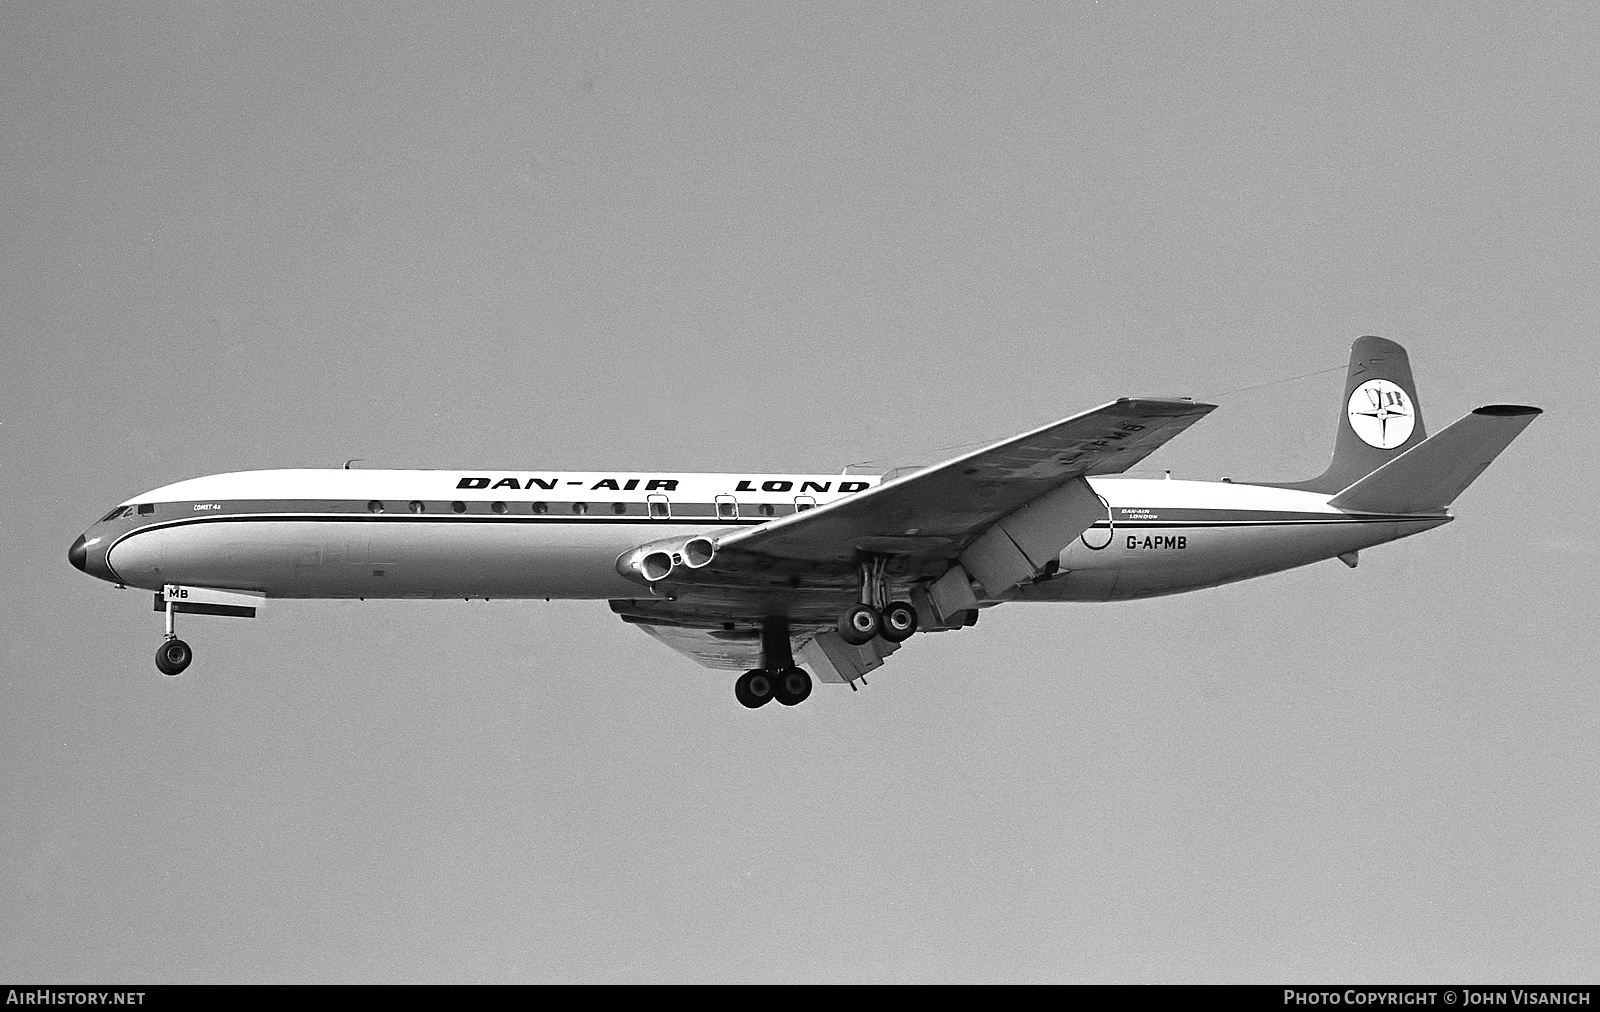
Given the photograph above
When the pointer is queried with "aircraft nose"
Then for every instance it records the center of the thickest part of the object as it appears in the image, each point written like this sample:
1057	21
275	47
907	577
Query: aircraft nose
78	555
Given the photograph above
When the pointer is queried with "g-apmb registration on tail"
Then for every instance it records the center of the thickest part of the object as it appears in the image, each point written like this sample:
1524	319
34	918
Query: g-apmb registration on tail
793	576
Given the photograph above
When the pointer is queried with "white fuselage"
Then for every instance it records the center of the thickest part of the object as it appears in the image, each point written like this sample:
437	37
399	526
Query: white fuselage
507	534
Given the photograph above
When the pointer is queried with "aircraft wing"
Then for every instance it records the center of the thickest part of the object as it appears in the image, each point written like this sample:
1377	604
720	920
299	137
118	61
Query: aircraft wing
804	566
938	510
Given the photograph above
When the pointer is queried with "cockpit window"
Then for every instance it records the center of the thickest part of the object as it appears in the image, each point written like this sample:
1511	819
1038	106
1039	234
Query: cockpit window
113	514
146	508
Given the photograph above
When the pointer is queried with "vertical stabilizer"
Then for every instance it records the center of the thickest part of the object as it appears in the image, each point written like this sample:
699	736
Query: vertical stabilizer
1379	416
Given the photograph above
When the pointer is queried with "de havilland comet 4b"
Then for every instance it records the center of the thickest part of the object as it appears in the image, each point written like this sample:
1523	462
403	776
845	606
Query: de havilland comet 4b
790	576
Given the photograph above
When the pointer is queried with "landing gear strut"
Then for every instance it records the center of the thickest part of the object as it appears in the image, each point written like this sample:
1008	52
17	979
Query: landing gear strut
876	615
174	654
779	677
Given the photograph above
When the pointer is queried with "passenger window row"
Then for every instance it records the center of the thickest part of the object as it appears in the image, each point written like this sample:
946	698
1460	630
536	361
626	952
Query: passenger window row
656	508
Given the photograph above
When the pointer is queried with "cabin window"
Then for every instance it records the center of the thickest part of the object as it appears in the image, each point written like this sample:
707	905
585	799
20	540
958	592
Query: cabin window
499	507
727	507
619	508
374	506
803	503
767	509
540	507
660	508
580	508
459	506
415	506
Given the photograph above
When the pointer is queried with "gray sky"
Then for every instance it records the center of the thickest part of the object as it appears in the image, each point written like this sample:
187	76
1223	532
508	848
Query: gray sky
788	237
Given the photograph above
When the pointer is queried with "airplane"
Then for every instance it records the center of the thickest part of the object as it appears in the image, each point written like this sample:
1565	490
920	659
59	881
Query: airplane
790	576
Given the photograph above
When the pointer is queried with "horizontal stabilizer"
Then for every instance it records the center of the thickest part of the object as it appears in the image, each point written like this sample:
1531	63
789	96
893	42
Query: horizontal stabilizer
1428	477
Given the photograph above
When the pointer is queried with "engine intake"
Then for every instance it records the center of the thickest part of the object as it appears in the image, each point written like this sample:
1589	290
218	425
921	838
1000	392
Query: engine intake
655	562
656	566
698	552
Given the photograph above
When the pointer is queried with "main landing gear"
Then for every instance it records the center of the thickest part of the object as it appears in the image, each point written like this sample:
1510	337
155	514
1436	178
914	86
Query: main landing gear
789	686
779	677
876	615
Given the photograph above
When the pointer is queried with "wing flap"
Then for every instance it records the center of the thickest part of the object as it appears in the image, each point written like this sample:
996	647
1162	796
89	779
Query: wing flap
701	646
831	659
828	656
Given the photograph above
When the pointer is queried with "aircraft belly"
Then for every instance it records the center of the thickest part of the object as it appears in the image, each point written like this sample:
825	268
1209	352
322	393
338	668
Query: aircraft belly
343	559
1149	561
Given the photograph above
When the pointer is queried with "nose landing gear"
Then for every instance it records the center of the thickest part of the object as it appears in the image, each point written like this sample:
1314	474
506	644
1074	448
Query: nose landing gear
175	655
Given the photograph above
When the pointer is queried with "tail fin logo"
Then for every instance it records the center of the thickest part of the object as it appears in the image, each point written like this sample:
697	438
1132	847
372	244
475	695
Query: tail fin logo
1381	414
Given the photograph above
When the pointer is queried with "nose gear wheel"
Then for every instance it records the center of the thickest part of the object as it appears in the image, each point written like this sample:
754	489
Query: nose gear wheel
173	656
